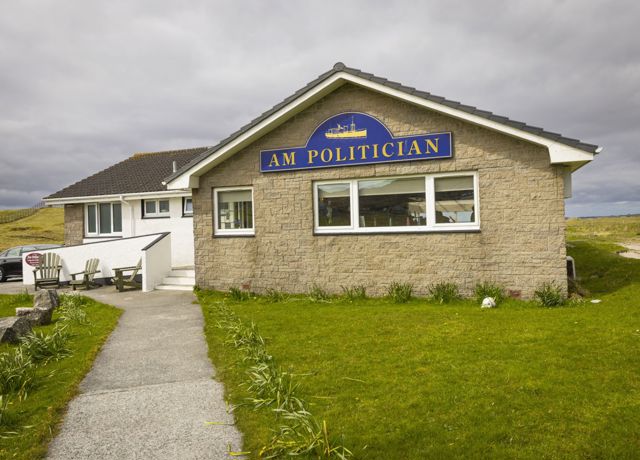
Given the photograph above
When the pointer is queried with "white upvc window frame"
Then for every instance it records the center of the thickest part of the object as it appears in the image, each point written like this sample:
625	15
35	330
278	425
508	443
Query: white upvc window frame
233	231
431	225
186	213
97	233
157	214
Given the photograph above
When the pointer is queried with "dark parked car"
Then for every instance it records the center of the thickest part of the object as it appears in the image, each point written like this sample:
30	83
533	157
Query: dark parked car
11	259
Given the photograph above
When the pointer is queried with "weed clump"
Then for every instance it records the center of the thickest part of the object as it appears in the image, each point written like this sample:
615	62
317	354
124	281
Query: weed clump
238	295
17	372
444	292
400	292
317	294
550	295
489	289
42	348
274	296
354	293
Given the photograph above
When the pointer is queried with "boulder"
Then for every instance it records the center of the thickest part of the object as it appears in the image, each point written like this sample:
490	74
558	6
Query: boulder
55	300
36	316
12	328
45	299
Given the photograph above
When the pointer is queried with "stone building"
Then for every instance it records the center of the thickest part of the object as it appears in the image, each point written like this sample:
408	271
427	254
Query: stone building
357	180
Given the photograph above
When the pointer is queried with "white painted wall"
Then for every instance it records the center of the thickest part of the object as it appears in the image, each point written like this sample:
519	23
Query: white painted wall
181	228
123	252
157	263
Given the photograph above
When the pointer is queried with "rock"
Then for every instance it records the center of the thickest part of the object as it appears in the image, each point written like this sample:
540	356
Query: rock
12	328
55	299
36	316
44	299
489	302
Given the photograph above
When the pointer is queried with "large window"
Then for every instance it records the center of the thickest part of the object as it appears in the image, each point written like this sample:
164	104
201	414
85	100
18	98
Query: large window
439	202
233	211
155	208
103	219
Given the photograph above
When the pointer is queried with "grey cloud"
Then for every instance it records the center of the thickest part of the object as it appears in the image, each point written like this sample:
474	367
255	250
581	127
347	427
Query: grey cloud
85	84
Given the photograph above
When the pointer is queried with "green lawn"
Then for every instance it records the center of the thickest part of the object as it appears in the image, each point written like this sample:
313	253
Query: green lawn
28	425
420	381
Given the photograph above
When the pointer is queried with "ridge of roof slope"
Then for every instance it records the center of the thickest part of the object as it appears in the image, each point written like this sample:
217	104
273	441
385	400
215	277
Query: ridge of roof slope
340	67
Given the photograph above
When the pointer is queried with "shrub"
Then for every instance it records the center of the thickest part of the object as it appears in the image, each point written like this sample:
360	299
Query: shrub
550	295
41	347
274	296
489	289
317	294
238	294
353	293
444	292
17	372
400	292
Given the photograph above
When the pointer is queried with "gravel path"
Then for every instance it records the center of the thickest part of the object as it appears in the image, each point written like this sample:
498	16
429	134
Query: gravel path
150	392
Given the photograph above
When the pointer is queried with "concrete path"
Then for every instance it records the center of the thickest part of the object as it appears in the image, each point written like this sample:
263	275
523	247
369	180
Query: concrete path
150	391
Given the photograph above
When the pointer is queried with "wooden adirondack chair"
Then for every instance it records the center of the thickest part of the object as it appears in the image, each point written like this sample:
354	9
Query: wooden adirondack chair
121	280
47	273
90	270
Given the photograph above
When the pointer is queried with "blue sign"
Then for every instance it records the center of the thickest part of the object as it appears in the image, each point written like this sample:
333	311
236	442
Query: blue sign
355	138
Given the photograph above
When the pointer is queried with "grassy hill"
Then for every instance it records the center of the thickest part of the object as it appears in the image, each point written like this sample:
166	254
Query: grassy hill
45	226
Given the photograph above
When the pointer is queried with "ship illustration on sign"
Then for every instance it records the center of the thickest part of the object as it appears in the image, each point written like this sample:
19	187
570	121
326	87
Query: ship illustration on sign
346	132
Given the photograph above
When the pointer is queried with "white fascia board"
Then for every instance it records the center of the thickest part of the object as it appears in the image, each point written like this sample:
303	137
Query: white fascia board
558	153
119	197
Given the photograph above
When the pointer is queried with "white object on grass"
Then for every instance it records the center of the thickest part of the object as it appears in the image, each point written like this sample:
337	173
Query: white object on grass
596	301
489	302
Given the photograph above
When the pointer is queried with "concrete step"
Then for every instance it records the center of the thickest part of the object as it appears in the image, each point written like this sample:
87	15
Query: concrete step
179	280
190	273
173	287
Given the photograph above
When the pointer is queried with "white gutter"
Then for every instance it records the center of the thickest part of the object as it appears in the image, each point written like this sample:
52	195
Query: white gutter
119	197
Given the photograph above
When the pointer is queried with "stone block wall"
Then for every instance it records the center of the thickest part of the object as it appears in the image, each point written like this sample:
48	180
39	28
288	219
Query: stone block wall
521	242
73	224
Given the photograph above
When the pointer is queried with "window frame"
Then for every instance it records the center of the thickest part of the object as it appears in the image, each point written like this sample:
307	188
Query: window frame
157	214
186	213
430	197
233	231
97	233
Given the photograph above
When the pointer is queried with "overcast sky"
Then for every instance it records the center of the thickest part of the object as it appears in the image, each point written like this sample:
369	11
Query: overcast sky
84	84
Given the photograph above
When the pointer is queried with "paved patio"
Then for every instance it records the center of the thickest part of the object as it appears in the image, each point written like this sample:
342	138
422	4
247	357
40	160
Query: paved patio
150	392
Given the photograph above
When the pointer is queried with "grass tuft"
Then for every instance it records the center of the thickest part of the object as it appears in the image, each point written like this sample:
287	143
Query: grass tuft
238	295
550	295
317	294
42	347
275	296
489	289
443	293
354	293
400	292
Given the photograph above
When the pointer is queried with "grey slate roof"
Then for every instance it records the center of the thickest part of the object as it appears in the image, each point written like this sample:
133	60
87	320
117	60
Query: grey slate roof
340	67
142	172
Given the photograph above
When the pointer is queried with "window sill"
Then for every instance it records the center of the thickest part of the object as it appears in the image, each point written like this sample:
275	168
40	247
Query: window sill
187	215
156	217
110	235
405	230
234	235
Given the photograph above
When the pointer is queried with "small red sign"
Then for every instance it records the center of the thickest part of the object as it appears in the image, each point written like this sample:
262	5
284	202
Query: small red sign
33	259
